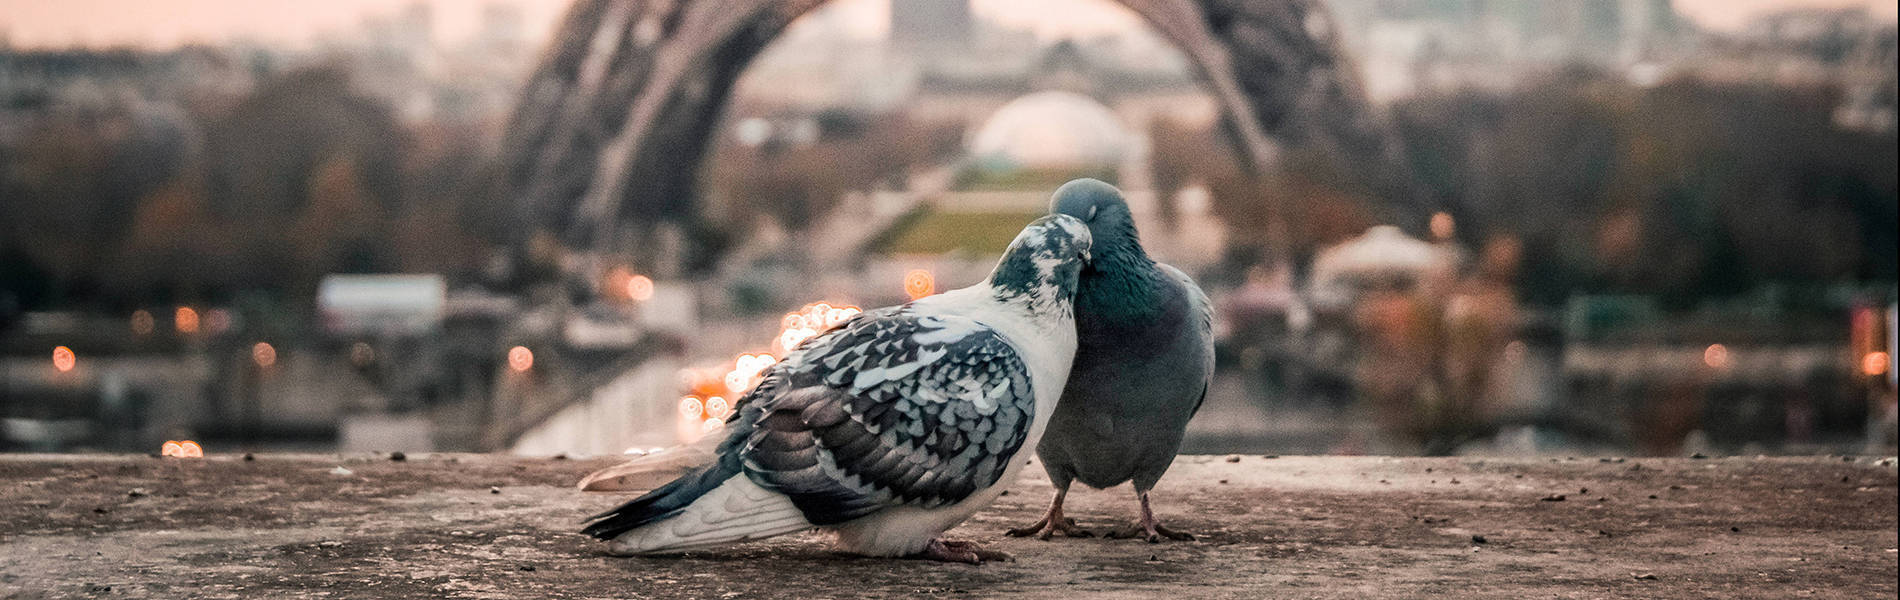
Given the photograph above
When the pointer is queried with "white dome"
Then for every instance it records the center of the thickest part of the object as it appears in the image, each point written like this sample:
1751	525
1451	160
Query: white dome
1052	129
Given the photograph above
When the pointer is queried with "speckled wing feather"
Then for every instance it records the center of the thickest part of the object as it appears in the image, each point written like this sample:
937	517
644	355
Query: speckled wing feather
888	409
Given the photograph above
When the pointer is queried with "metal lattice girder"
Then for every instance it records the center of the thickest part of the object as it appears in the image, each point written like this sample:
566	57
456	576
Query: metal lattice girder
613	123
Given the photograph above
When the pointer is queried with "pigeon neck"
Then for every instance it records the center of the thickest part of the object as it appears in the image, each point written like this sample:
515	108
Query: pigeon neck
1121	282
1040	285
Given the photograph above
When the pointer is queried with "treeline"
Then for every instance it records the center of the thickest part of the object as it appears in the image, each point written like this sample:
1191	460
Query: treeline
138	201
1686	190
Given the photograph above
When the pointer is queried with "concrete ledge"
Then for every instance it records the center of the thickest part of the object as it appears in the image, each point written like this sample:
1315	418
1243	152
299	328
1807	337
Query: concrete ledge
480	526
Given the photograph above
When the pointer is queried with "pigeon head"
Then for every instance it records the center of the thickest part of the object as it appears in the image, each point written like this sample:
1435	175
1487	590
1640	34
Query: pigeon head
1044	263
1120	282
1101	206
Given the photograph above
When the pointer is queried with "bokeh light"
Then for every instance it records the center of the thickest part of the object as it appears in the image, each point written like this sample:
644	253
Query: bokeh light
63	359
1874	364
799	326
184	449
718	408
691	408
520	358
919	283
640	288
1443	226
1716	356
185	320
264	354
142	322
216	320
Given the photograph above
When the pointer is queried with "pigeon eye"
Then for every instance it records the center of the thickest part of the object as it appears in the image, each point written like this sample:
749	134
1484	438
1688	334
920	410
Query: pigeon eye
1092	210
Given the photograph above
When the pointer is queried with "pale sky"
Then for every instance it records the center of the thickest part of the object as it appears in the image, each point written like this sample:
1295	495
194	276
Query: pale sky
168	23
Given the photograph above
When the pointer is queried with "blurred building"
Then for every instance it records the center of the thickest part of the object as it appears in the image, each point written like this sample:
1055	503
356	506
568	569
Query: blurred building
1405	47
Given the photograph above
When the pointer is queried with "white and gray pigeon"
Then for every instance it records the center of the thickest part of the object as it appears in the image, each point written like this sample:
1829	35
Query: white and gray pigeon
891	427
1144	358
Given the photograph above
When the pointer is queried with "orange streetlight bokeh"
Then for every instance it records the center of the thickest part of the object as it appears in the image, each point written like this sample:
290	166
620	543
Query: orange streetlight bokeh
919	283
640	288
520	358
185	320
184	449
1443	226
1716	356
264	354
1874	364
64	359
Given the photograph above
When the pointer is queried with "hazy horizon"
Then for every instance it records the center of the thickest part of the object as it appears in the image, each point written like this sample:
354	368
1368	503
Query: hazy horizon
172	23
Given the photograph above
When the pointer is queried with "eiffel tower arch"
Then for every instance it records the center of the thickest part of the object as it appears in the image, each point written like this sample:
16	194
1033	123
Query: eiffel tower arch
612	125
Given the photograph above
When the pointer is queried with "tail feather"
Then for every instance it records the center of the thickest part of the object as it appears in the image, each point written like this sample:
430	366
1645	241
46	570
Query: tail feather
735	510
653	470
659	504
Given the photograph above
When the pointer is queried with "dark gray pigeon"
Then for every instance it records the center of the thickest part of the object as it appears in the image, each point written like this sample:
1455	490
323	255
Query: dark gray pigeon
1144	357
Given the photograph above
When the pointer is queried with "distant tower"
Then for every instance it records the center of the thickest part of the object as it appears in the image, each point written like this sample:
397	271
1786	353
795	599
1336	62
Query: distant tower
931	24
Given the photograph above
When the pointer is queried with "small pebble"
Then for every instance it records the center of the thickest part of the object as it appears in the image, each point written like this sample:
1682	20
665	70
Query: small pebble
137	493
398	456
1735	529
1223	482
1233	459
494	490
1554	498
1479	539
1644	576
248	457
527	567
340	471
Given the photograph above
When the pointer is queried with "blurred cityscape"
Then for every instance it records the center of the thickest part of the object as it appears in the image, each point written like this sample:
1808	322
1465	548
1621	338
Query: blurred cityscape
1649	234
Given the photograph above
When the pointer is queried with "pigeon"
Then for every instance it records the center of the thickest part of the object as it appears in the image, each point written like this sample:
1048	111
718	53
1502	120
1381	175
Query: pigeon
889	428
1144	358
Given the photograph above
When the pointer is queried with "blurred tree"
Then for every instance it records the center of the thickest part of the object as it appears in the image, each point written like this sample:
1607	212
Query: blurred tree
1686	190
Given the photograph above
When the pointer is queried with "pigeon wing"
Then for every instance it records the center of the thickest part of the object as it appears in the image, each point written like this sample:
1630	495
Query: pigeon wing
1203	315
891	408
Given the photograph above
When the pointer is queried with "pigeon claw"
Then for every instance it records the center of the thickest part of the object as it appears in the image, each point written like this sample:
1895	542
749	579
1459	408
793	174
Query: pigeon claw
942	550
1153	532
1048	528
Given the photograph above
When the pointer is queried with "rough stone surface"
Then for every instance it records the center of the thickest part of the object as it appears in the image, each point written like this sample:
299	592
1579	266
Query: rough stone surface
1293	527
